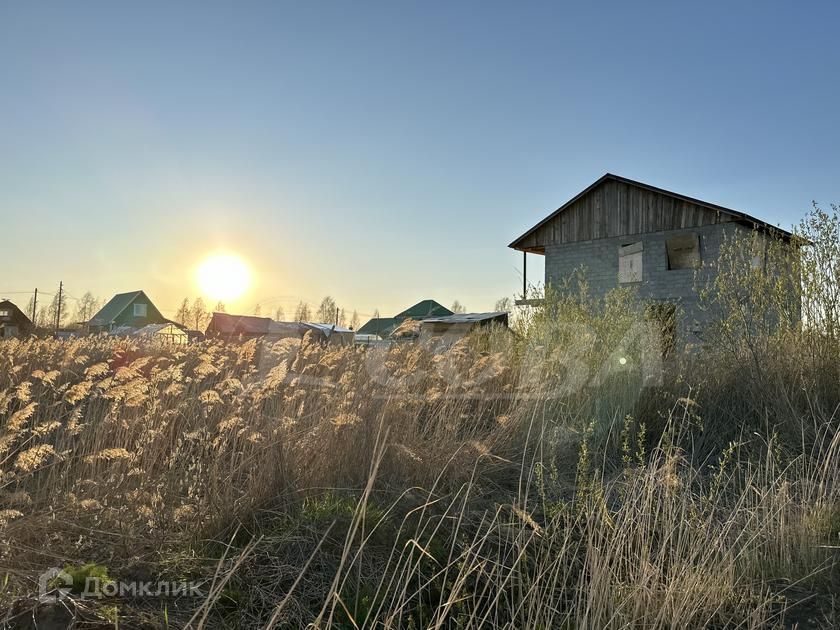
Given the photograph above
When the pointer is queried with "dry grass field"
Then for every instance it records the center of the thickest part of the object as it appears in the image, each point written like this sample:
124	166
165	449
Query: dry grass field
560	476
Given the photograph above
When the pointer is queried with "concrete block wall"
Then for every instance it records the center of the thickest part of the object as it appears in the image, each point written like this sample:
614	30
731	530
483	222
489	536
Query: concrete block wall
600	259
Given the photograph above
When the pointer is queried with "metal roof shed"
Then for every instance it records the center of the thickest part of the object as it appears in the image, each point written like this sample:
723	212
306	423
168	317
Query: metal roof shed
461	323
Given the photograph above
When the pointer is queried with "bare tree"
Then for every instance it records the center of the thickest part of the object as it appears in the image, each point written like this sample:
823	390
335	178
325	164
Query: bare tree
198	314
820	269
376	313
326	311
42	319
86	308
279	314
220	307
57	310
354	321
457	307
183	315
302	313
30	306
504	304
342	319
257	310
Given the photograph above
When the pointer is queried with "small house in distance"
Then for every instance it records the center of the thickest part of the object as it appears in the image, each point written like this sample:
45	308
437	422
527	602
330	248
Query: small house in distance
245	327
335	335
423	310
384	327
13	321
134	310
627	233
236	327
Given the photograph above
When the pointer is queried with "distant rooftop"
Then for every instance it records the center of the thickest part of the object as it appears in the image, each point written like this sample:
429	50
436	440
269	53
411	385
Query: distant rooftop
114	307
466	318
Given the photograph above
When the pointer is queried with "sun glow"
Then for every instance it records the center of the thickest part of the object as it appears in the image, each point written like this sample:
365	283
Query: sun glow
223	276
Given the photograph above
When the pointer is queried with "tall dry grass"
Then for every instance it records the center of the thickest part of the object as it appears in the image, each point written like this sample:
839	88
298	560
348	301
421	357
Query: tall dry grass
562	476
450	488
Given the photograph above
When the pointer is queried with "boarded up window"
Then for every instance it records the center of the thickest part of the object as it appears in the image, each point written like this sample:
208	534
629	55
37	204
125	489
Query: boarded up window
630	263
683	251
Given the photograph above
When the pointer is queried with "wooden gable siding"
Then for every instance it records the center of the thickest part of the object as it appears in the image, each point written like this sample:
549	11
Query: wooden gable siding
617	208
127	318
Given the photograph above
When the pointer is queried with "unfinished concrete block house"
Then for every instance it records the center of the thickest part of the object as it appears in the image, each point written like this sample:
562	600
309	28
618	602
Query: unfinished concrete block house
627	233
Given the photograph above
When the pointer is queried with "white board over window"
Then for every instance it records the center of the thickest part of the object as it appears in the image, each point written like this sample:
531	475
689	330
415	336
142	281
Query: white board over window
630	263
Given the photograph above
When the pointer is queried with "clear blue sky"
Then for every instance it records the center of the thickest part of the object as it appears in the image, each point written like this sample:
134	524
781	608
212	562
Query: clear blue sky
386	152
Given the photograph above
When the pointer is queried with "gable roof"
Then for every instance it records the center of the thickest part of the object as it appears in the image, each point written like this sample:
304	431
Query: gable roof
115	306
385	326
739	216
382	326
423	309
19	315
238	324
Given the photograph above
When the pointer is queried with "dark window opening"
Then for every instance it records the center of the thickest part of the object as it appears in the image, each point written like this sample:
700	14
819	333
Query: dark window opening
683	251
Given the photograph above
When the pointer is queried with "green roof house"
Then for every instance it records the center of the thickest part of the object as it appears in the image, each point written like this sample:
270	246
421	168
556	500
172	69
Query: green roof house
133	309
422	310
380	326
385	326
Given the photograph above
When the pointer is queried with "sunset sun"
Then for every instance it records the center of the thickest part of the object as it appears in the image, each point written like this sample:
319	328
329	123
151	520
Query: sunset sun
223	277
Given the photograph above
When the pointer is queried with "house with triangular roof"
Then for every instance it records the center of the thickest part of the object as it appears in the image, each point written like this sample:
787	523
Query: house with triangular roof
227	326
384	326
422	310
621	232
13	321
133	310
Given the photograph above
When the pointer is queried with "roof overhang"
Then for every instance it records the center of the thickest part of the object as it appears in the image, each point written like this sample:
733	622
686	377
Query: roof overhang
740	217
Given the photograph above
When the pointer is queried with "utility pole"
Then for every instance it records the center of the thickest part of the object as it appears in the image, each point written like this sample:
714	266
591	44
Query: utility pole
58	310
35	306
336	316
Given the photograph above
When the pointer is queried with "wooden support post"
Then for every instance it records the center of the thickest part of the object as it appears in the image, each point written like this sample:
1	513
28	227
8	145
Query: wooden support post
524	275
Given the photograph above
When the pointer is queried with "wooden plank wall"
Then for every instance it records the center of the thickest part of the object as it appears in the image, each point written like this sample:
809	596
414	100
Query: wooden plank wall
619	209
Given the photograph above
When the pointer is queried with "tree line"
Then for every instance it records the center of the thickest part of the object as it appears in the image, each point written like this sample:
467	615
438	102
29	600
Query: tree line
196	315
58	310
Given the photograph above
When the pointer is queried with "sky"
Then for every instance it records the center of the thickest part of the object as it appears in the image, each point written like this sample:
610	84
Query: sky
385	152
